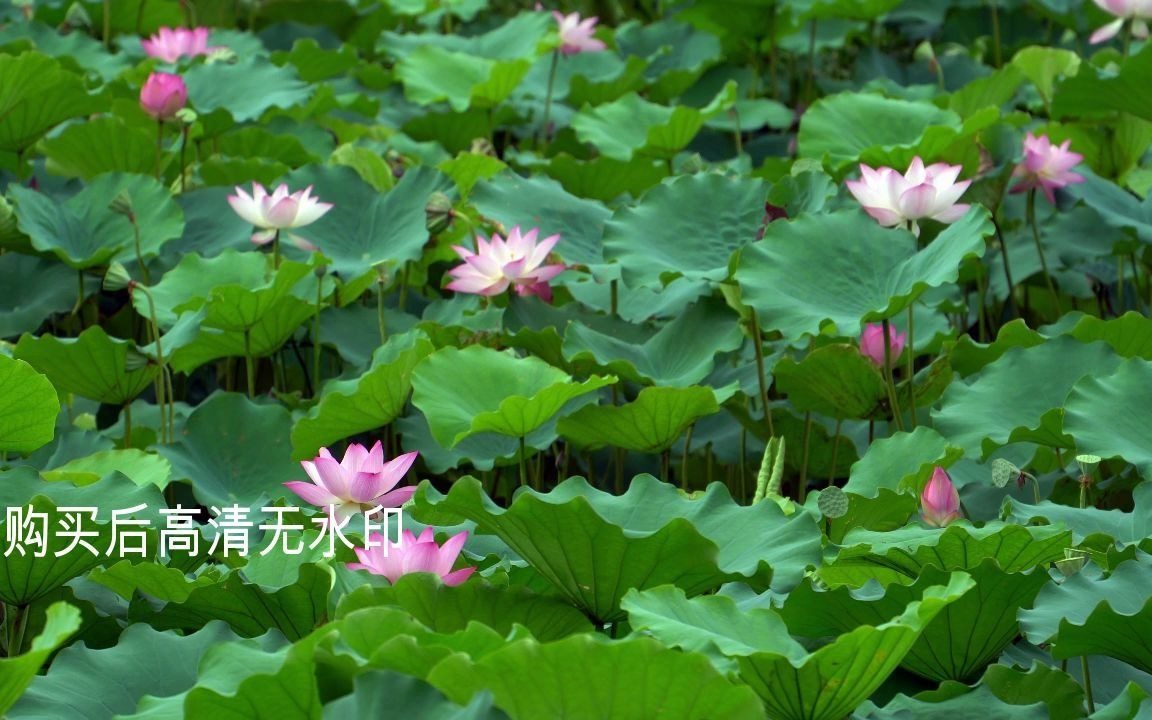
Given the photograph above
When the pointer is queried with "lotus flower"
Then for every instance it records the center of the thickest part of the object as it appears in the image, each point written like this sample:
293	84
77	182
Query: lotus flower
499	264
576	34
278	211
171	44
872	343
356	484
414	554
940	503
163	95
896	200
1046	166
1138	11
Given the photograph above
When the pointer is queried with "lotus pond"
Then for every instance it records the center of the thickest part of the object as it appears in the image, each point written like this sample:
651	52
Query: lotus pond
620	359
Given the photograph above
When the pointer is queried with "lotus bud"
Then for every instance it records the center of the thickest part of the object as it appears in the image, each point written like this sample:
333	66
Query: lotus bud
872	343
439	213
940	503
117	278
122	205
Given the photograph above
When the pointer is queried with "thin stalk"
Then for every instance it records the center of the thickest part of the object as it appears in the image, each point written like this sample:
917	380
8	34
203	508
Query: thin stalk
1119	284
1127	39
613	298
1040	249
523	465
896	415
665	465
380	323
737	134
276	250
910	368
1087	684
566	454
402	301
316	348
128	425
997	54
758	348
684	459
835	453
19	623
107	30
183	162
249	364
159	148
80	297
802	485
170	394
1007	266
981	322
544	134
139	252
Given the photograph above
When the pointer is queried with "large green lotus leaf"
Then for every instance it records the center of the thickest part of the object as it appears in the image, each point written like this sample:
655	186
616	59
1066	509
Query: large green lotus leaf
371	401
267	336
37	95
89	684
384	694
956	645
28	407
1124	528
34	289
1042	693
1111	415
92	365
481	451
1018	397
902	461
138	466
593	546
840	128
250	609
843	9
677	53
517	395
888	510
688	226
900	556
805	272
650	424
104	145
245	89
634	679
1091	93
1116	206
366	227
539	201
446	609
633	126
834	380
663	358
1130	335
234	451
114	490
152	579
1089	614
968	357
18	671
519	37
603	178
83	231
433	74
824	685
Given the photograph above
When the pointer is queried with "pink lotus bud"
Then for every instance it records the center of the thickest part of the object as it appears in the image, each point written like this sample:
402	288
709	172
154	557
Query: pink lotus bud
576	34
872	343
940	503
163	95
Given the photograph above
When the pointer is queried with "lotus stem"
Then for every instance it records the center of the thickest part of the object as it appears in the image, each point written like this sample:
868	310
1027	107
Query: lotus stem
183	162
316	348
758	348
380	322
666	465
1007	266
276	250
896	414
835	452
997	53
107	29
802	484
613	298
154	327
544	134
1040	250
523	464
139	251
19	623
128	424
1087	684
249	363
159	149
910	367
684	459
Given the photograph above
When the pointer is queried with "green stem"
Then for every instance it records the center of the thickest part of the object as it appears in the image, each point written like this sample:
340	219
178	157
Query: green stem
276	250
802	485
835	452
762	379
1036	489
249	364
1087	684
107	31
127	425
140	253
19	623
910	369
997	53
316	348
896	414
684	459
1040	250
544	134
183	161
154	326
159	149
1007	267
380	323
80	297
665	465
523	465
613	297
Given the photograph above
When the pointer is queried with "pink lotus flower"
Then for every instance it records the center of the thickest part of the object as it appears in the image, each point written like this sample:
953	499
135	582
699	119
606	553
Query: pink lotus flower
496	265
414	554
576	34
1138	11
171	44
163	95
278	211
872	343
1046	166
896	200
358	483
940	503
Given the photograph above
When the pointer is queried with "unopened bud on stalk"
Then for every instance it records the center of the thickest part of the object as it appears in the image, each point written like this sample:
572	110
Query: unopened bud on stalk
117	278
122	205
439	213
